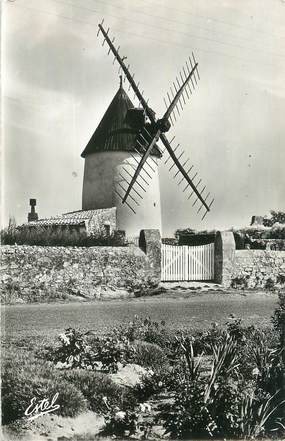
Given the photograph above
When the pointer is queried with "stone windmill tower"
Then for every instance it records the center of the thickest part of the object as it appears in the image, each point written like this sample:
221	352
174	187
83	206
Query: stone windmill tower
112	152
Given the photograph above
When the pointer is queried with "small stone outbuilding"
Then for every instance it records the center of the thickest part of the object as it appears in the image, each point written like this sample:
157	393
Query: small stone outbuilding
100	221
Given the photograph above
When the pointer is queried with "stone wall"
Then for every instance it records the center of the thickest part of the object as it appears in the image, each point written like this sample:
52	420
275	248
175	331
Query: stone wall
247	268
34	273
100	218
259	268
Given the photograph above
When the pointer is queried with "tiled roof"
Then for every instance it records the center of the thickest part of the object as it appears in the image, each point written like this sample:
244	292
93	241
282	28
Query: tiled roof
54	221
114	133
72	218
83	214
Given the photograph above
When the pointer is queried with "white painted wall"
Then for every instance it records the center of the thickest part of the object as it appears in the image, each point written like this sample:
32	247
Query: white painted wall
101	178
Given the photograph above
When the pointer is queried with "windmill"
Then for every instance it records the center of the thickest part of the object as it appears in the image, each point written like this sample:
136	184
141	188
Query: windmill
151	129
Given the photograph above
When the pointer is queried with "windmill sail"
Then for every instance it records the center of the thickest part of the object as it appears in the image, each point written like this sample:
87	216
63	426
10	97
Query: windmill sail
160	126
128	75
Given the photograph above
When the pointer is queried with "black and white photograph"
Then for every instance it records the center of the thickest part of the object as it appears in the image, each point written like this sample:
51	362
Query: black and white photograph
142	220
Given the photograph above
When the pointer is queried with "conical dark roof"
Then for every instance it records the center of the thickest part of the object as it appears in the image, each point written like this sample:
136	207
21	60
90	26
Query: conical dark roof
114	133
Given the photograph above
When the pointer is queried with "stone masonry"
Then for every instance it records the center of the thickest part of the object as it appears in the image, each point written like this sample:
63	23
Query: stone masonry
259	267
34	273
255	268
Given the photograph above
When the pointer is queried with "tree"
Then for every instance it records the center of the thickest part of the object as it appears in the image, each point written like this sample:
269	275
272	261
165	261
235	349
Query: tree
276	217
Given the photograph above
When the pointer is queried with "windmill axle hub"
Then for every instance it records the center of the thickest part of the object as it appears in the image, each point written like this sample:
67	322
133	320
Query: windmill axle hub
163	125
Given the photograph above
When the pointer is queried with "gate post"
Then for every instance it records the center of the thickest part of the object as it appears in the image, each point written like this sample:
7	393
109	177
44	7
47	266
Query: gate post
225	248
150	243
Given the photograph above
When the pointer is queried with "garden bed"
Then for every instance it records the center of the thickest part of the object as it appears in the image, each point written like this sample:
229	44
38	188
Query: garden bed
143	379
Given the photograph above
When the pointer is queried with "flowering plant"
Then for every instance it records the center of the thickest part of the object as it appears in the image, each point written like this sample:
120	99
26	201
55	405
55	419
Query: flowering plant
74	351
79	350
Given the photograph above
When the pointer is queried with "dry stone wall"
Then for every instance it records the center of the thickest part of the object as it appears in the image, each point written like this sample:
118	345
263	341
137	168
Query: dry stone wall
34	273
259	268
247	268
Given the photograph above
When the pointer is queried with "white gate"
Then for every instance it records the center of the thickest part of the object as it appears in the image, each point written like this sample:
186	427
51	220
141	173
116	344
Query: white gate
182	263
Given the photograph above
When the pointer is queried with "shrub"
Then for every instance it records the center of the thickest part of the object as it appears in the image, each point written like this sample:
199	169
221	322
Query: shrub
25	377
280	279
170	240
7	235
25	363
275	217
111	350
79	350
17	396
53	236
10	291
101	393
240	282
204	341
73	351
256	236
269	284
279	318
277	231
121	423
151	384
146	330
149	355
142	341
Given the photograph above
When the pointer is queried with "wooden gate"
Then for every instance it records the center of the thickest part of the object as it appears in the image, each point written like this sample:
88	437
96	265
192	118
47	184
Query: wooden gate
182	263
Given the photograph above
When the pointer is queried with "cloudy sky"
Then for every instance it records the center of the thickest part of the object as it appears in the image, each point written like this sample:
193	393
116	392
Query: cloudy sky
58	81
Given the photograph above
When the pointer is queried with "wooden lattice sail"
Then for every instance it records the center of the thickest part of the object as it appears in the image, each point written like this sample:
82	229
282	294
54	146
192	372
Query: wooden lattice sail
150	130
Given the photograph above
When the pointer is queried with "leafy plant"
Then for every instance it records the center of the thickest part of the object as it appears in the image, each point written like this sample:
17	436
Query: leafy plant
112	350
222	403
73	351
146	330
188	416
151	384
121	423
204	341
223	382
255	416
278	320
86	351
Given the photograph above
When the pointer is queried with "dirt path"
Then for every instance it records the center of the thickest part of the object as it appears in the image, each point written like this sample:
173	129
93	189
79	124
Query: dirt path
180	308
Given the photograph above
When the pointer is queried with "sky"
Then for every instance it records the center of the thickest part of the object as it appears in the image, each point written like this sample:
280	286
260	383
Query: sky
57	82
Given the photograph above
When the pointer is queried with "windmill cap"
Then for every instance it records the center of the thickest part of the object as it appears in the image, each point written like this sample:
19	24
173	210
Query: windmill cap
114	132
